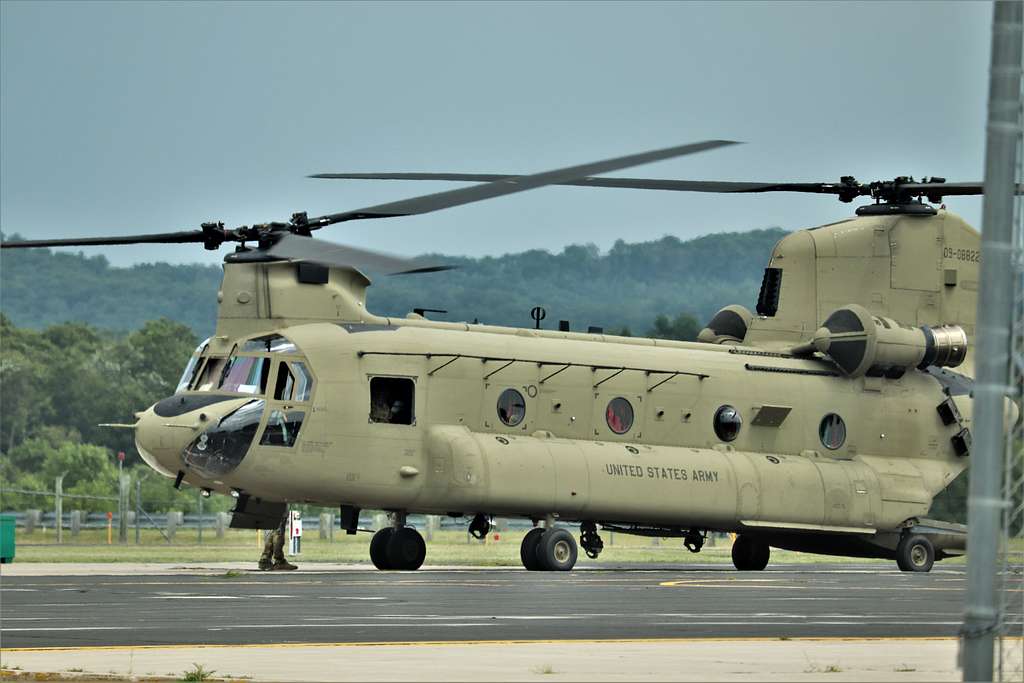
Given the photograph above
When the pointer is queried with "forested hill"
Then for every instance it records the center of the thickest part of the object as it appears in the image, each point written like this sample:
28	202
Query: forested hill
628	286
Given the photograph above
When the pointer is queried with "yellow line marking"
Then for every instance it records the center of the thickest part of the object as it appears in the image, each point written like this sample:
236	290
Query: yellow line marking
457	643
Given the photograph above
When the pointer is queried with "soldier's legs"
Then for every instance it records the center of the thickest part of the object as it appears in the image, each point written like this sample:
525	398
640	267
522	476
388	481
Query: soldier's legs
266	559
278	551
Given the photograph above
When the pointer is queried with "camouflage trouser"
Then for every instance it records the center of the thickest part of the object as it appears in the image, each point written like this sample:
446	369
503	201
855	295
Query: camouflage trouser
273	543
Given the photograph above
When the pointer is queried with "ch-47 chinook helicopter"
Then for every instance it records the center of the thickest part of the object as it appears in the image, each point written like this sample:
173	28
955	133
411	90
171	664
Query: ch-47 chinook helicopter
825	422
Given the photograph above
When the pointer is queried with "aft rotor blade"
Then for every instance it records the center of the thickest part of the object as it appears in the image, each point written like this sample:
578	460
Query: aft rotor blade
511	185
590	181
331	254
157	238
945	189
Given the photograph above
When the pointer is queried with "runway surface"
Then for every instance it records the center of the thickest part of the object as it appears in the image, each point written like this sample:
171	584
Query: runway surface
366	606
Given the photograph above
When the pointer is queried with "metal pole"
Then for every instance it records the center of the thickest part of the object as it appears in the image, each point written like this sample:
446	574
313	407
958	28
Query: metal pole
58	507
200	494
123	488
138	509
984	501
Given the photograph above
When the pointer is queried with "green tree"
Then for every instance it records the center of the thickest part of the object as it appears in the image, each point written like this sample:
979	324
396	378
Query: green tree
684	327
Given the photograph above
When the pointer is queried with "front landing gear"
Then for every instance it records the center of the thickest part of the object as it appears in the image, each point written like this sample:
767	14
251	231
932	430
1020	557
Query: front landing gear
552	549
400	548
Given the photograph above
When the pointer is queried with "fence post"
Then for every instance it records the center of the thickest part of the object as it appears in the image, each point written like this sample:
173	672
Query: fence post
324	519
199	493
123	487
76	522
31	520
172	524
222	521
58	507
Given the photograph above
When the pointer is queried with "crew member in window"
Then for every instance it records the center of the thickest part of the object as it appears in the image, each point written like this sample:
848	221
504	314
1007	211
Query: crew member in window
272	558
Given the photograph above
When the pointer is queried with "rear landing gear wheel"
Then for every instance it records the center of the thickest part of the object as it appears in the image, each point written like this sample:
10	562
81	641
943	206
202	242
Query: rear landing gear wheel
528	549
406	549
379	548
556	550
915	553
750	554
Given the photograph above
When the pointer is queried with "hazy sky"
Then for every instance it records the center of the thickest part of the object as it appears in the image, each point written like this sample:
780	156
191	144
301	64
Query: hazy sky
152	117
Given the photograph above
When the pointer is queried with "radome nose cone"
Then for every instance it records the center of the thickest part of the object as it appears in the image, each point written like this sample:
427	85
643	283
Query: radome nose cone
161	440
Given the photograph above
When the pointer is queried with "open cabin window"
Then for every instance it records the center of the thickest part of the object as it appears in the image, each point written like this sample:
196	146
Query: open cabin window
392	400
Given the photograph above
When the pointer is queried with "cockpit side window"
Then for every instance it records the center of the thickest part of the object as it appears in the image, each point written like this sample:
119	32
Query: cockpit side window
285	383
303	381
391	400
246	375
282	428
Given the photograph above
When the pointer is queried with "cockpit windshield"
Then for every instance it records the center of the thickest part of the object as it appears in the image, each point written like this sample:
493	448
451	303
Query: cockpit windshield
245	375
248	368
193	365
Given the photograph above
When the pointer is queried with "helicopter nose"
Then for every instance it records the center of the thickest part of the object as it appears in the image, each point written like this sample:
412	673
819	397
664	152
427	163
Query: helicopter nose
165	430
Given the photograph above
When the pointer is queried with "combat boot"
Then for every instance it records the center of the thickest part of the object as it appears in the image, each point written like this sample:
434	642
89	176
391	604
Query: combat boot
265	564
282	566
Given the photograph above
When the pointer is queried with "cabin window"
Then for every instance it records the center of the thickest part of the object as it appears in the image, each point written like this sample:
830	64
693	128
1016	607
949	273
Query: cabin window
511	407
246	375
832	431
391	400
282	428
727	423
619	415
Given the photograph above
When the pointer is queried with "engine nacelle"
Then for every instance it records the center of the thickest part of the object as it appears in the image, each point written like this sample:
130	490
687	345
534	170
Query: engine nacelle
860	343
728	326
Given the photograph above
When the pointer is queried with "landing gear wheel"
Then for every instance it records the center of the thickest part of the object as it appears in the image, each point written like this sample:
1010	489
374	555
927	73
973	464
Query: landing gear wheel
556	550
406	549
915	553
750	554
528	549
379	548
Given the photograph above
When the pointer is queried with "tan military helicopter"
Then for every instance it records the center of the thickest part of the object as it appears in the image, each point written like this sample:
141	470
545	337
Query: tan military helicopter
826	422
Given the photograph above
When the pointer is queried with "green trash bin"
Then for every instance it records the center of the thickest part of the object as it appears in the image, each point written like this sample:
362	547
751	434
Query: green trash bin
7	523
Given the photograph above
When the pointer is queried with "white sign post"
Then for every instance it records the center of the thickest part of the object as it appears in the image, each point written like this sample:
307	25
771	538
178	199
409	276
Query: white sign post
295	532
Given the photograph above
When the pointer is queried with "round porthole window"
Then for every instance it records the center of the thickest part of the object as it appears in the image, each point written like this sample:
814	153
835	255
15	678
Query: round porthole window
727	423
511	407
832	431
619	415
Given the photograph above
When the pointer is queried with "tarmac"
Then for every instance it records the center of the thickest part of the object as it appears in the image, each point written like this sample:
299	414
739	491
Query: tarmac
350	622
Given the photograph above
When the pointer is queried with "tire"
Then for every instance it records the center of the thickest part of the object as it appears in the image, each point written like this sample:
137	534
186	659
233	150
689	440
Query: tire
406	549
556	550
915	553
379	547
750	554
528	549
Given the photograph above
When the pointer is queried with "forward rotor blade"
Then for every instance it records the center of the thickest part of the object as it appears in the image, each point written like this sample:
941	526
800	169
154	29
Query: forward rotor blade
330	254
510	185
951	189
157	238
